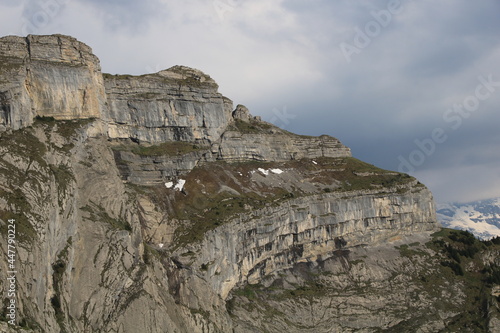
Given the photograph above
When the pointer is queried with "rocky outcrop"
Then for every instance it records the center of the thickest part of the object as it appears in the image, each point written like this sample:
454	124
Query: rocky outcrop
53	76
178	104
277	146
58	76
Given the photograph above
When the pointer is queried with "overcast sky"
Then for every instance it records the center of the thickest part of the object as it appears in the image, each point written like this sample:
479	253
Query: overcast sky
410	85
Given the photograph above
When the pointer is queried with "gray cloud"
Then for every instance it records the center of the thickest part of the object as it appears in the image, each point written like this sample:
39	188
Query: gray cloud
129	15
285	56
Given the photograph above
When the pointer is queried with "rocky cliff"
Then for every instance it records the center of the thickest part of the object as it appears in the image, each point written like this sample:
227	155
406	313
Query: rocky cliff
54	76
147	204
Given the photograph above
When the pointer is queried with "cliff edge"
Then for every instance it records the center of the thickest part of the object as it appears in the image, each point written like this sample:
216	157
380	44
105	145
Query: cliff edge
150	204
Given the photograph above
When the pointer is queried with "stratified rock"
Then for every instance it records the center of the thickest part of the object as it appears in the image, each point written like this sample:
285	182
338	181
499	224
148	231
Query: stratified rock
148	204
52	76
177	104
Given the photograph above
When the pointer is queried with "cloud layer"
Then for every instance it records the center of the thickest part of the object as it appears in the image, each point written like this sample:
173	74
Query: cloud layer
382	76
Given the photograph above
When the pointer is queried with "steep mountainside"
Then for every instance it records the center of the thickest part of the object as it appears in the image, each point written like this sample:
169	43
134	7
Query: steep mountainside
150	204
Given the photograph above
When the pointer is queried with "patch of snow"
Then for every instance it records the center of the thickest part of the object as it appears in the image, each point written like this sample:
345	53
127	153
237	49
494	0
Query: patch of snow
315	163
180	185
265	172
277	171
482	218
169	184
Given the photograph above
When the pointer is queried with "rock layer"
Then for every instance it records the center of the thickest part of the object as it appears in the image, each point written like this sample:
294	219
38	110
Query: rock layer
308	229
141	202
178	104
53	76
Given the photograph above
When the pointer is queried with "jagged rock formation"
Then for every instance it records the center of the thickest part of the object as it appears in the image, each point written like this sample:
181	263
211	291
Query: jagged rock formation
143	204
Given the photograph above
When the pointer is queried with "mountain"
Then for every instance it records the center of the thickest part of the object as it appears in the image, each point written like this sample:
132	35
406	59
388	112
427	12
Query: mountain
482	218
152	204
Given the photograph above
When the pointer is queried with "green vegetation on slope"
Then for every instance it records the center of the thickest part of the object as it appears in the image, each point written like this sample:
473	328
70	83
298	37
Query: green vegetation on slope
217	192
207	206
447	280
358	175
250	127
98	214
24	170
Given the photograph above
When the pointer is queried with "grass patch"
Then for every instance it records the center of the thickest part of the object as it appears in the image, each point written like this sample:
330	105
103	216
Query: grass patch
351	174
249	291
20	211
460	258
250	127
24	144
357	175
64	177
45	120
108	76
406	251
98	214
309	290
149	254
66	128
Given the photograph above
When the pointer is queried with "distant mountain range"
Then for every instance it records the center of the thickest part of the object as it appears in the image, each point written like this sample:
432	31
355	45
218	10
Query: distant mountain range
482	218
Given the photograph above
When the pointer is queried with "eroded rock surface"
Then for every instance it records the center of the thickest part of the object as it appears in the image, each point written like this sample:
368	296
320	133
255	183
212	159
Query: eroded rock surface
146	204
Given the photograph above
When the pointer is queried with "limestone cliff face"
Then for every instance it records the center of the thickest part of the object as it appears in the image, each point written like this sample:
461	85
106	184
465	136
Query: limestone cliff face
178	104
146	202
54	76
58	76
307	229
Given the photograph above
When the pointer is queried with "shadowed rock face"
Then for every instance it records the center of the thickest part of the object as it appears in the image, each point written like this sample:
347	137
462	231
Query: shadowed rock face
146	201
